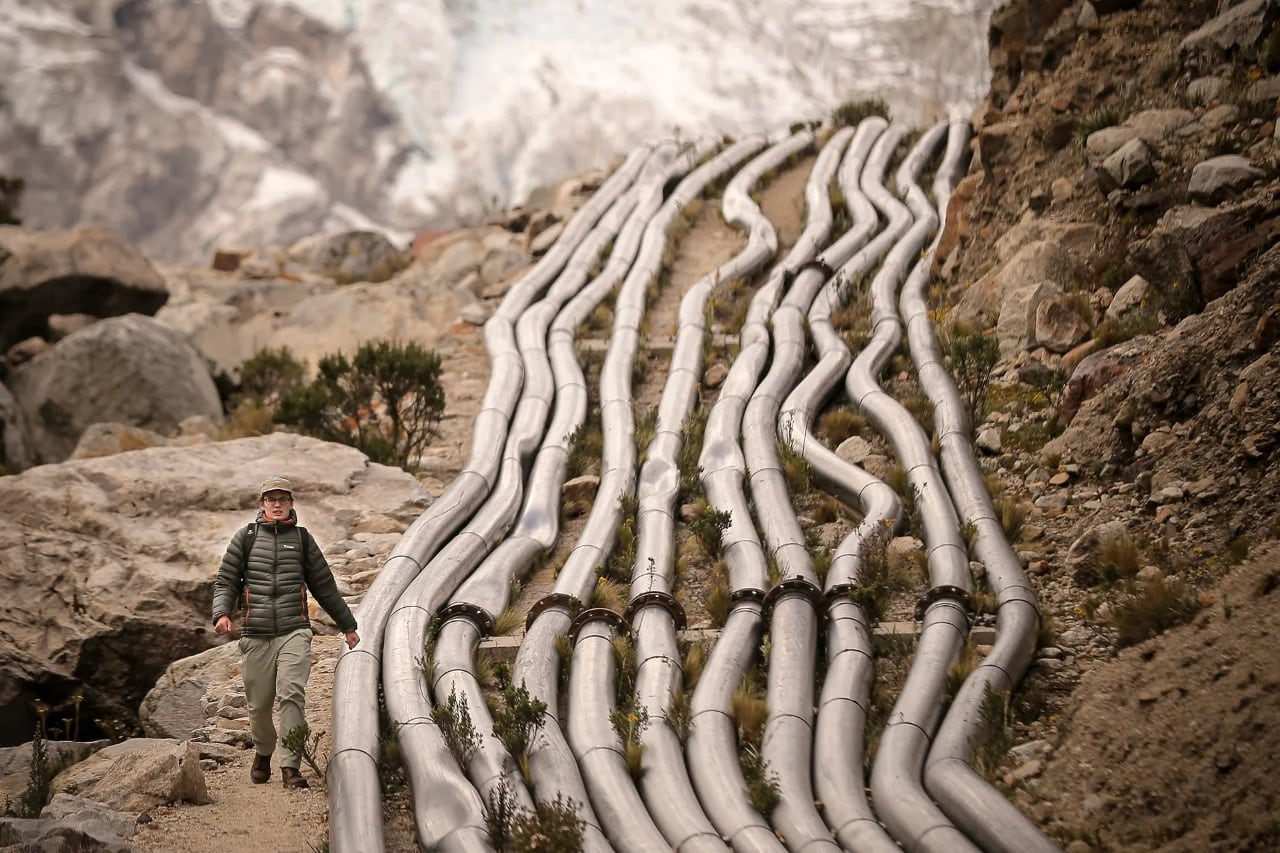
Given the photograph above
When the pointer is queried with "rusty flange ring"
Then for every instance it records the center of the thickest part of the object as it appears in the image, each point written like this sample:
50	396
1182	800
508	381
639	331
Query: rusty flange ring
595	614
938	593
555	599
474	613
802	587
747	593
661	599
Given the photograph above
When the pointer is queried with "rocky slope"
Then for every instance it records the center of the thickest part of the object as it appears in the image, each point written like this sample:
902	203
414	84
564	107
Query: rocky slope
1129	274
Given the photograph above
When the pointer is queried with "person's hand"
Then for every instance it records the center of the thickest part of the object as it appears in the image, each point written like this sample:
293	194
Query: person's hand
223	625
353	639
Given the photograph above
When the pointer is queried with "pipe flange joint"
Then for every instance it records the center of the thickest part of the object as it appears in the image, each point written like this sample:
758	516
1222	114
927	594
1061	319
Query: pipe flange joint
595	614
944	591
665	600
746	593
802	587
475	614
840	592
555	599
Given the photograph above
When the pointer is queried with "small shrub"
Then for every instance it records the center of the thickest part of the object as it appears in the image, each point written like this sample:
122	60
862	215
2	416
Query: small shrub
499	814
796	469
1118	559
709	529
718	594
586	445
553	827
268	376
1096	120
385	401
609	594
508	622
1012	516
39	779
835	425
1153	608
454	720
515	719
997	735
762	784
305	743
629	723
1113	330
679	714
750	710
970	355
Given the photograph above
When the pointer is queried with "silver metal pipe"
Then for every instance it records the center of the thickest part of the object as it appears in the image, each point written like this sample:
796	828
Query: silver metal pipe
486	592
788	739
665	784
712	742
598	748
897	791
600	775
355	793
838	728
978	808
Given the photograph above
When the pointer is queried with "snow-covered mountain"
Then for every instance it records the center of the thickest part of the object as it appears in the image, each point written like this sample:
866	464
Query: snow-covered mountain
186	124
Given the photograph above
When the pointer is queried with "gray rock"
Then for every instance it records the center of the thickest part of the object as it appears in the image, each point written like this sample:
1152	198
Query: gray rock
1130	166
546	239
132	370
1205	90
1016	325
1134	296
349	256
1083	556
116	516
855	449
90	268
988	440
1240	28
1218	179
13	434
138	774
1058	327
82	810
1039	261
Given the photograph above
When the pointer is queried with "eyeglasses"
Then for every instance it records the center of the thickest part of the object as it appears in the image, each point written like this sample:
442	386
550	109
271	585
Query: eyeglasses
284	500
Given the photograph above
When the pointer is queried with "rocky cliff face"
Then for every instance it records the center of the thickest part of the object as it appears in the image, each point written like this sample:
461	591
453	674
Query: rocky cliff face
182	132
191	125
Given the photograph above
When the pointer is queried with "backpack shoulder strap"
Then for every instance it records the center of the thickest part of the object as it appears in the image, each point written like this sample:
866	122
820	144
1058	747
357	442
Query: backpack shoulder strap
249	533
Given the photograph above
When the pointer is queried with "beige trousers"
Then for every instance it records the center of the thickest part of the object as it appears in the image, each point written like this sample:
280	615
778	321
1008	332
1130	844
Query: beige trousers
276	668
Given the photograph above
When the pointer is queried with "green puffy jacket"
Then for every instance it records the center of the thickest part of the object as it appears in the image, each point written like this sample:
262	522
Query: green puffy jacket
284	562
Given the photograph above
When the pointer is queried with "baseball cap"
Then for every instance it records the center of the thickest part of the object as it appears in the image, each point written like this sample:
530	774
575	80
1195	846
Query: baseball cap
275	484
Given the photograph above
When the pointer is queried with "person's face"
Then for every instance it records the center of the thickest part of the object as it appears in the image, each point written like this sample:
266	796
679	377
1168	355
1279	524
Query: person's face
276	505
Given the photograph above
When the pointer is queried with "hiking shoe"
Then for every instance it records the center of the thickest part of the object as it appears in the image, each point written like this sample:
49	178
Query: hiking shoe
261	770
292	778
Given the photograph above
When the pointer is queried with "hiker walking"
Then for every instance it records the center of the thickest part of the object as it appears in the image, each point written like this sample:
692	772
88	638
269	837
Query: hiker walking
267	570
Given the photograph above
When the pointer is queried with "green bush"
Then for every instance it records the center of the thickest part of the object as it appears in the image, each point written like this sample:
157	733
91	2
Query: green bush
269	375
971	355
551	827
386	401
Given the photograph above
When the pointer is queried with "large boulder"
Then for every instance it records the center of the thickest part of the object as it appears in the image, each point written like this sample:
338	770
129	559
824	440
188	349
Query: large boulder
132	370
1219	178
108	563
1195	254
349	256
86	270
138	774
15	452
1238	30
